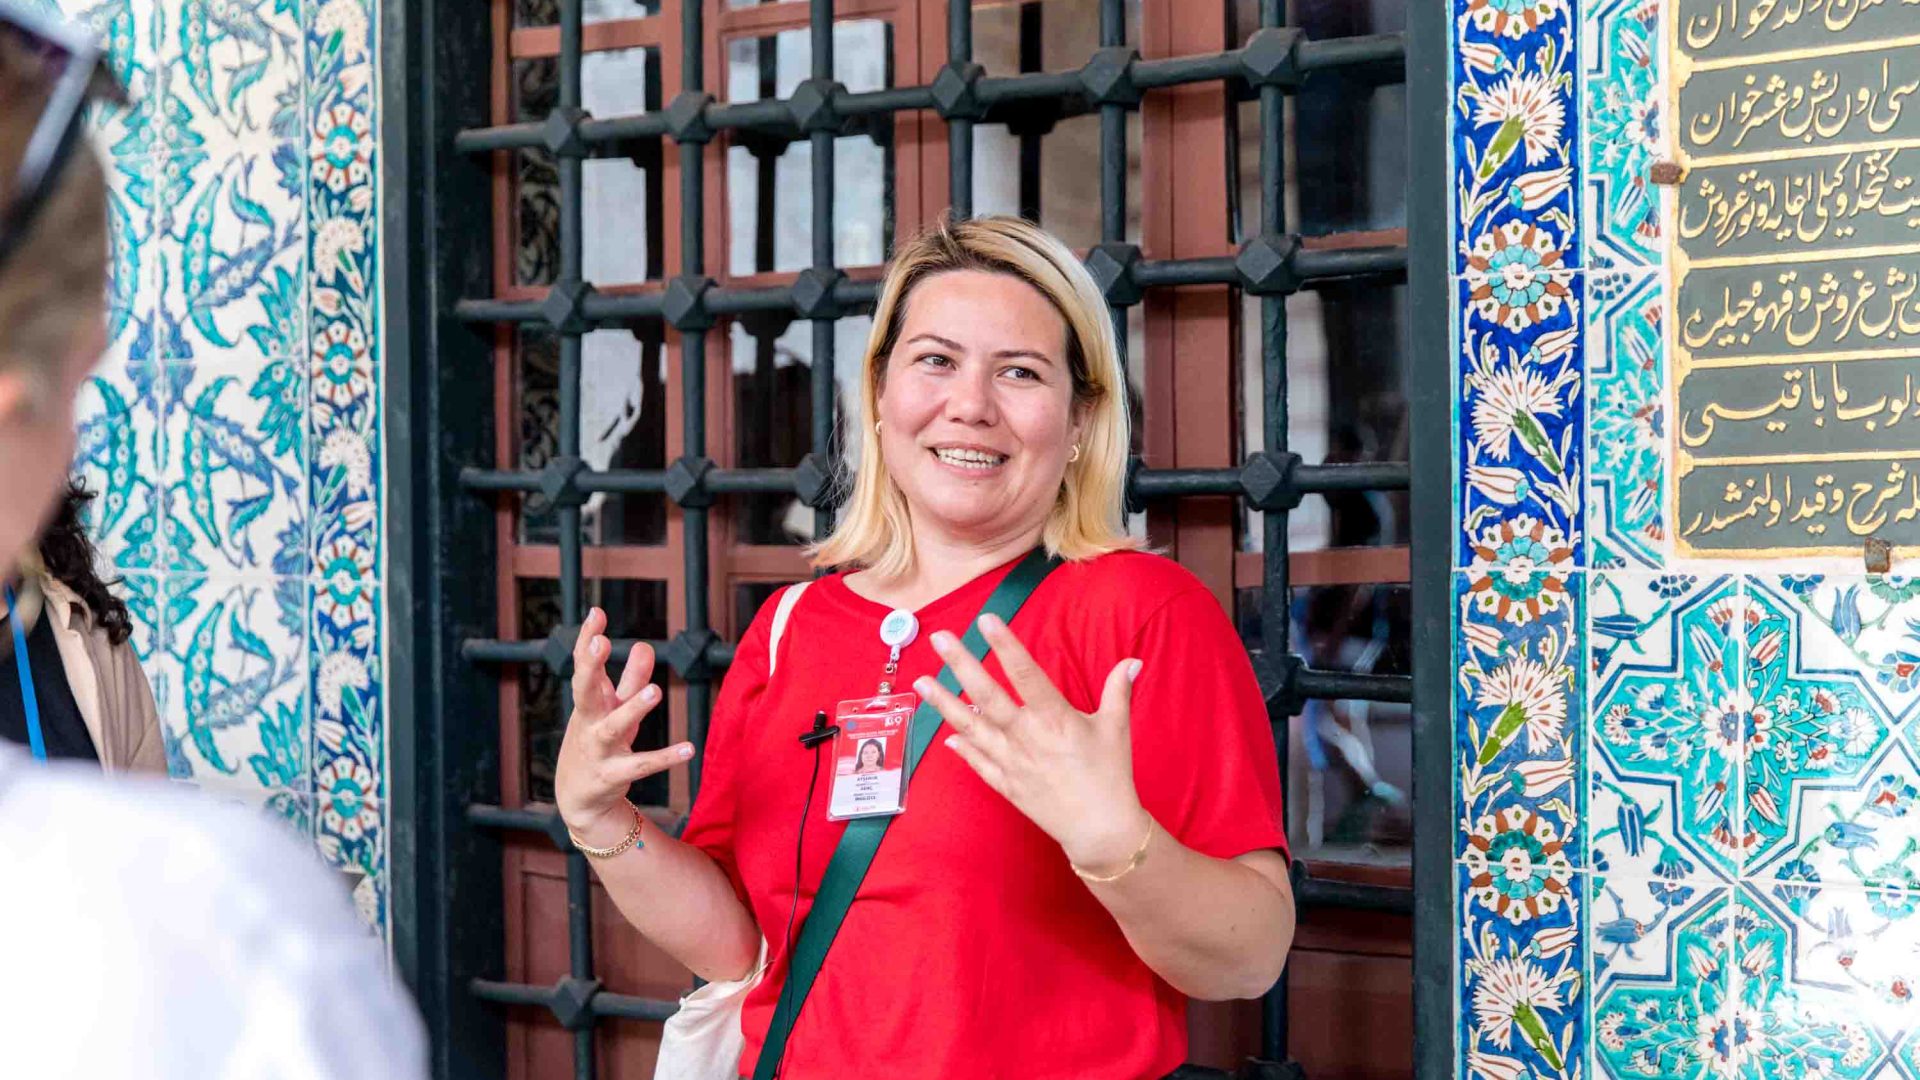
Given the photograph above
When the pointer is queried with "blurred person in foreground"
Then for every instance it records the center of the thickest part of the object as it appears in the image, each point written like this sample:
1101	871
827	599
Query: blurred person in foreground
144	932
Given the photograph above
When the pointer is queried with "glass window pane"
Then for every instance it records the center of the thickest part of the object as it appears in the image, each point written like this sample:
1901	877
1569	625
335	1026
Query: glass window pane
536	206
1351	762
770	181
623	425
1346	362
772	364
1038	160
619	201
547	12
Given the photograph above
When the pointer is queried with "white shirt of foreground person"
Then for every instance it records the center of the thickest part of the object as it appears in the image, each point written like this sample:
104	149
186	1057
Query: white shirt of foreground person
148	932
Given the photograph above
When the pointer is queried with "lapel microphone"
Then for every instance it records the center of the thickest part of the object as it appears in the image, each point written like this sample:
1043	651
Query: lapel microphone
822	731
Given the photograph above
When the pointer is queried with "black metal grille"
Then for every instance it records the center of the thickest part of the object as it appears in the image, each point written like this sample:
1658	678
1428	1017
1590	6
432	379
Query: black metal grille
448	787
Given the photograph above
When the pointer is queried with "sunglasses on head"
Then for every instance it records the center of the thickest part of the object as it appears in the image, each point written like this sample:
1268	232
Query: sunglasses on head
61	64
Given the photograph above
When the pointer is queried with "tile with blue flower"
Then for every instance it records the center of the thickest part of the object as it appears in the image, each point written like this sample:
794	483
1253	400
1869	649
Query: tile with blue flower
1626	419
1823	764
1523	990
1662	979
1622	131
1516	759
1665	742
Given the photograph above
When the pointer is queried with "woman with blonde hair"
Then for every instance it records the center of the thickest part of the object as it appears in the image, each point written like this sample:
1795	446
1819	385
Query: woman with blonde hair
1091	835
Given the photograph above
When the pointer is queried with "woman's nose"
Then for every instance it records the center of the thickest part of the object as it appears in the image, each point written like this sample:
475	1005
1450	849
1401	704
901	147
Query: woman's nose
970	399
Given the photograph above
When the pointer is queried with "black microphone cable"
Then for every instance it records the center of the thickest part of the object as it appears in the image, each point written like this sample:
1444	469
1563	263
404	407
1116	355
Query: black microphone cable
819	736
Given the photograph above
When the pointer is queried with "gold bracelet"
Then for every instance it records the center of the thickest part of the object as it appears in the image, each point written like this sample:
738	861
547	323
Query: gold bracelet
632	840
1139	856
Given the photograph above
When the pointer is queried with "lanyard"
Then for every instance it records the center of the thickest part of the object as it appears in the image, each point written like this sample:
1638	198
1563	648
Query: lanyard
21	661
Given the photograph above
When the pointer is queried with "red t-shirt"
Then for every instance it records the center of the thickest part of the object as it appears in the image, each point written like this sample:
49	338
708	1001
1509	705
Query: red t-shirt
971	949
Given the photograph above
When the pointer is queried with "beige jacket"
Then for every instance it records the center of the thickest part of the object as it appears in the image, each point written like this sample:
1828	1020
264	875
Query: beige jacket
116	703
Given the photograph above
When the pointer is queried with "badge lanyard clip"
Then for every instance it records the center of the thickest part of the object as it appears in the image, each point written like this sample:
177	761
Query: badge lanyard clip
28	700
897	631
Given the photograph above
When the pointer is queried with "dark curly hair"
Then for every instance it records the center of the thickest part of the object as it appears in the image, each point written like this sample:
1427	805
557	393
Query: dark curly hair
68	552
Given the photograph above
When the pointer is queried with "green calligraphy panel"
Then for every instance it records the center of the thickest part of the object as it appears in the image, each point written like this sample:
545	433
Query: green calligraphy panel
1728	29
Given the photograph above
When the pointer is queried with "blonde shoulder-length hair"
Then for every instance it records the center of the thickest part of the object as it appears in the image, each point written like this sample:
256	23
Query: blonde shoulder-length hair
1087	519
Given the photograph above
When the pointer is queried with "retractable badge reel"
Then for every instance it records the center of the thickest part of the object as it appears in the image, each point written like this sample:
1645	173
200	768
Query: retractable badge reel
870	752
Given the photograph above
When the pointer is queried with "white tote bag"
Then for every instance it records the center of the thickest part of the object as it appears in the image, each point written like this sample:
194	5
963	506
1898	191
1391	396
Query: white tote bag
703	1041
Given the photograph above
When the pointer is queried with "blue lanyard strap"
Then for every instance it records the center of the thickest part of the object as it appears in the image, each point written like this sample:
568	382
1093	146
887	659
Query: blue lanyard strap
25	665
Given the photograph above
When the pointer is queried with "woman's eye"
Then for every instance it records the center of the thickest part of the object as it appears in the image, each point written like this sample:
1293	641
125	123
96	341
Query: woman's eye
1022	374
936	360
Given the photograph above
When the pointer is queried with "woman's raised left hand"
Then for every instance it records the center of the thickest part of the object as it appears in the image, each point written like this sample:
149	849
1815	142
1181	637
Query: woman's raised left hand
1069	772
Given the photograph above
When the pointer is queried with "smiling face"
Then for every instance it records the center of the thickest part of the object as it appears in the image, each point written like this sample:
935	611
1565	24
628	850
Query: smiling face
870	756
977	406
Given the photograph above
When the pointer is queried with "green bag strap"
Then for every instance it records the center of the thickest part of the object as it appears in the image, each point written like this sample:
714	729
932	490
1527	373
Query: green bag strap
861	841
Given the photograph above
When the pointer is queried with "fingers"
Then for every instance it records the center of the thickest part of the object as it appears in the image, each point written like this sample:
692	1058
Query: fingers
621	723
1116	698
638	671
982	690
589	654
982	764
954	711
627	768
1028	680
960	716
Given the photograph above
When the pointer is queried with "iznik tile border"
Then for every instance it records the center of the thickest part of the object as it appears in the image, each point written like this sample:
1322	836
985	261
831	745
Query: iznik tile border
234	430
1705	795
1524	997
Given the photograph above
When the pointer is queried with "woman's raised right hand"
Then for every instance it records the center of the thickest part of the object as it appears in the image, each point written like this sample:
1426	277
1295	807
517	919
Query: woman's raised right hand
597	760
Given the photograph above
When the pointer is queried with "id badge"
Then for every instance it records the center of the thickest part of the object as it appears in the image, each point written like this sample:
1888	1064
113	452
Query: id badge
870	756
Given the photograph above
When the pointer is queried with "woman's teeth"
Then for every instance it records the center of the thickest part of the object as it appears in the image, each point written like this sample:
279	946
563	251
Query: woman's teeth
969	459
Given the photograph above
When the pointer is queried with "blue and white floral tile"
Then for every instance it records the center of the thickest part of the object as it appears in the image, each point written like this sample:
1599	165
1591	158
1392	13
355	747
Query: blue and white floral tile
350	759
141	592
1521	451
119	448
1869	622
349	825
1523	989
1626	419
1622	131
342	354
1663	722
1823	981
1829	787
133	287
229	248
1661	976
127	31
235	64
339	46
1515	125
234	657
235	474
1516	745
347	687
345	498
349	732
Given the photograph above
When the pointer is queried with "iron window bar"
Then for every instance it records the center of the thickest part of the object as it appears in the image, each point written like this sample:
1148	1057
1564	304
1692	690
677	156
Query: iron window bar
1270	265
1273	56
1267	264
